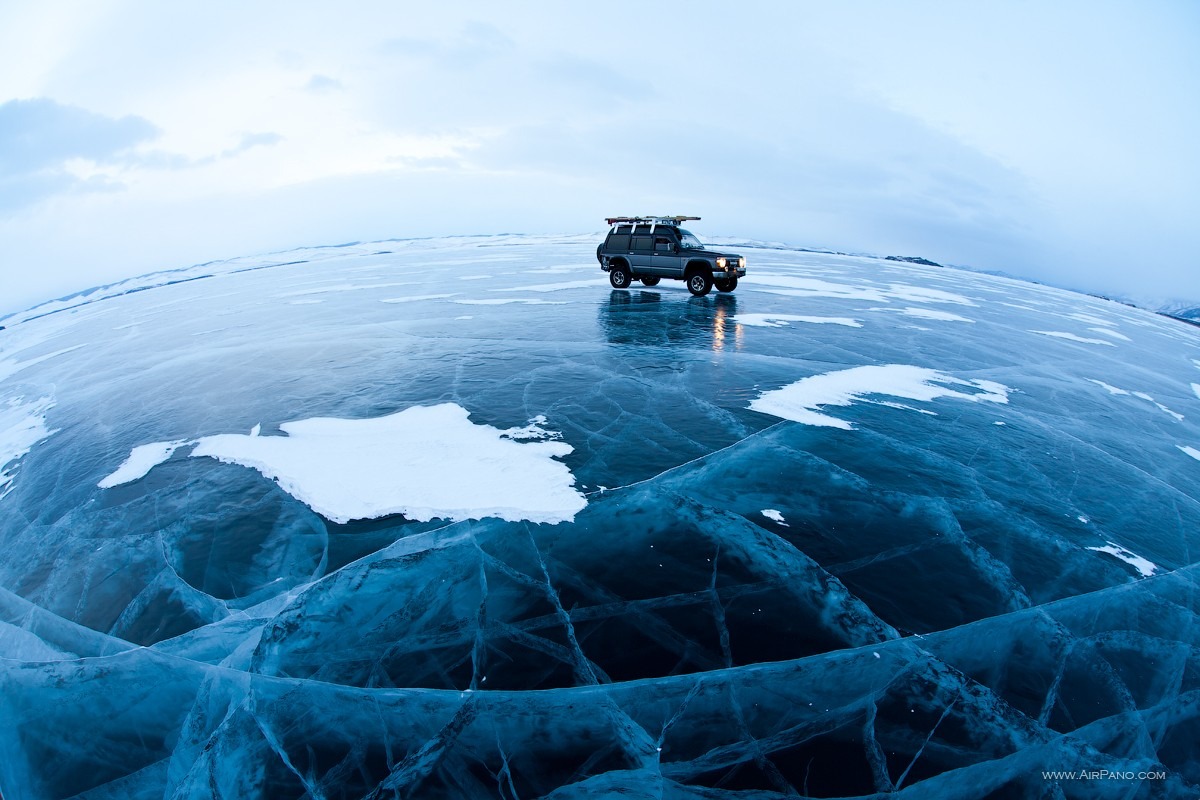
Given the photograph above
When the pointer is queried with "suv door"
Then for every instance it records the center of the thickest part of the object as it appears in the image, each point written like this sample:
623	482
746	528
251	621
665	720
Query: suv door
665	260
641	249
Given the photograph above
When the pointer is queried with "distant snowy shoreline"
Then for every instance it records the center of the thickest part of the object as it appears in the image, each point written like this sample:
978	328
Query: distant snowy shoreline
1185	310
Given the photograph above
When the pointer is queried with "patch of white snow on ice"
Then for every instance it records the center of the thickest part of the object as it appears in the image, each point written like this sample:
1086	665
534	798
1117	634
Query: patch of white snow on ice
930	313
780	320
1108	387
1191	451
533	430
1072	337
22	425
799	401
774	515
144	458
1091	320
424	462
1143	566
1196	389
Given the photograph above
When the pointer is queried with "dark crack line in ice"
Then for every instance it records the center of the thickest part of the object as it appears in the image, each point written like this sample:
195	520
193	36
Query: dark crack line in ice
936	725
413	770
695	460
280	751
582	665
874	752
718	610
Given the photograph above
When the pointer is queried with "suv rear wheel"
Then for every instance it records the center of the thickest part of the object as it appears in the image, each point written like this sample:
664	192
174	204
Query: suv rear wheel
699	283
726	284
618	276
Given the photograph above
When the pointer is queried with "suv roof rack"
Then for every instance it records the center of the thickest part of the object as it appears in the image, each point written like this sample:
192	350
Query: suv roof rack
649	220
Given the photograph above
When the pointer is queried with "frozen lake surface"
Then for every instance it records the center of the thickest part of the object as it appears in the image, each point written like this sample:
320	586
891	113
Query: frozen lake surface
452	518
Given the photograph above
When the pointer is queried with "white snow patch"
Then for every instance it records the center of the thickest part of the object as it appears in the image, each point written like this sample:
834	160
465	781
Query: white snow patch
799	401
415	298
1178	417
1083	519
1191	451
256	430
929	313
311	302
1111	389
144	458
923	294
1112	333
1196	389
1196	361
423	462
775	516
780	320
464	316
474	277
1143	566
1088	318
1072	337
1114	390
533	430
22	425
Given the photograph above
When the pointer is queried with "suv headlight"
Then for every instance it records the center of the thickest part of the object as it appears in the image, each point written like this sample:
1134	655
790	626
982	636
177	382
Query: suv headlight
742	262
720	262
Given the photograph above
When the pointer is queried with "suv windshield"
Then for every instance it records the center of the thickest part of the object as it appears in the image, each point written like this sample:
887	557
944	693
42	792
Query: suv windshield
688	241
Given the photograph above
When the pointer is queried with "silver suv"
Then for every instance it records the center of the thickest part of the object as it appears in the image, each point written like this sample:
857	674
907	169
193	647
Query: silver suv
652	248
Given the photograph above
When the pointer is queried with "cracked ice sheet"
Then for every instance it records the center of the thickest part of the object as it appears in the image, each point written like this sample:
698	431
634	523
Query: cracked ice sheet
798	402
423	462
780	320
22	425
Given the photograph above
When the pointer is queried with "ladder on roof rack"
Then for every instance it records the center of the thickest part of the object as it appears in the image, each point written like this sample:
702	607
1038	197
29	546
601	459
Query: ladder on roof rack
650	220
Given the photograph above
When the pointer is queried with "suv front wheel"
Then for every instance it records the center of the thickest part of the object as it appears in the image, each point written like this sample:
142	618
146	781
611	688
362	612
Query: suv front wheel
618	276
699	283
726	284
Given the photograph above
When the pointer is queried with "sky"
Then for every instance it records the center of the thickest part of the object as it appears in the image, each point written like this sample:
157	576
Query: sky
1052	141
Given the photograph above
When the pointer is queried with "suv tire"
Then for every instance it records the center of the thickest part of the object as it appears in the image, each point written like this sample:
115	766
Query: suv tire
618	276
650	280
726	284
699	283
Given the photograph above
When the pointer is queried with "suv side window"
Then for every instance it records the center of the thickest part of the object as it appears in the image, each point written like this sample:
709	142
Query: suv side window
618	241
642	242
662	244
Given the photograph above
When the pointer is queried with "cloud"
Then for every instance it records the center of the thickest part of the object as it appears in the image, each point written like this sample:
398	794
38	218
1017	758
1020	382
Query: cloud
39	138
252	140
323	83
